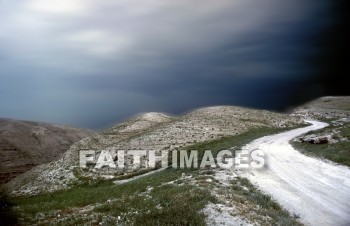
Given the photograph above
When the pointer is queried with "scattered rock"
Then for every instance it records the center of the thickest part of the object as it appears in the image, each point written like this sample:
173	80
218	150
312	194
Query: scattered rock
150	131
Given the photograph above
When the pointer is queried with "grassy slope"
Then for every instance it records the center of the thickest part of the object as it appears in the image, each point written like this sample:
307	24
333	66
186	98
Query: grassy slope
338	152
152	200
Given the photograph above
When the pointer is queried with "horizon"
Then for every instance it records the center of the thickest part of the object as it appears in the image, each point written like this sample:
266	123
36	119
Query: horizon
91	64
141	113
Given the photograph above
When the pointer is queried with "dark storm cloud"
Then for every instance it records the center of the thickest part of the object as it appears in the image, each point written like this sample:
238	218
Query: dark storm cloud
91	63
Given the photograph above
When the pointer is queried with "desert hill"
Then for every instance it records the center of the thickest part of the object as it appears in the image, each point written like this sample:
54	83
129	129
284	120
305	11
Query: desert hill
61	191
150	131
325	108
25	144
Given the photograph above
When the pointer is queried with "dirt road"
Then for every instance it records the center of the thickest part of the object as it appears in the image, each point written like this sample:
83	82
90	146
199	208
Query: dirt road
316	190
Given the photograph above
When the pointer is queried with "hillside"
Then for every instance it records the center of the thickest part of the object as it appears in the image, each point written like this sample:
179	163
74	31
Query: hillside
25	144
151	131
325	108
62	192
332	142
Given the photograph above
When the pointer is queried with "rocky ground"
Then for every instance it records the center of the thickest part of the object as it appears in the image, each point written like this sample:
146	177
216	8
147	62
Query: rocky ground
151	131
135	196
331	135
330	143
330	107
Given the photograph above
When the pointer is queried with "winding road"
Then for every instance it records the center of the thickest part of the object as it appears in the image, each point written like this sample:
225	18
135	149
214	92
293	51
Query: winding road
316	190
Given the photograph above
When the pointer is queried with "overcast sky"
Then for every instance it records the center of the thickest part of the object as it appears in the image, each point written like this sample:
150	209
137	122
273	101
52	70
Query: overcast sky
90	63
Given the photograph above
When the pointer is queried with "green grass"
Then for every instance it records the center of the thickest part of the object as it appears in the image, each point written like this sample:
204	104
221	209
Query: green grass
163	205
133	174
184	201
245	193
148	200
235	141
338	152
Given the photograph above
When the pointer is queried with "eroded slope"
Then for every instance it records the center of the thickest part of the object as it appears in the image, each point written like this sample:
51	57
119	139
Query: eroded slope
24	145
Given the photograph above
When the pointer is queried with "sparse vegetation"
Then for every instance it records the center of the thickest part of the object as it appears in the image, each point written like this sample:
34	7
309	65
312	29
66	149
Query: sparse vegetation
337	152
150	131
250	197
171	196
235	141
325	108
134	202
163	198
133	174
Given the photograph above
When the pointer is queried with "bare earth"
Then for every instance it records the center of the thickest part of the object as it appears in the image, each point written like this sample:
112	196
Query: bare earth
26	144
316	190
